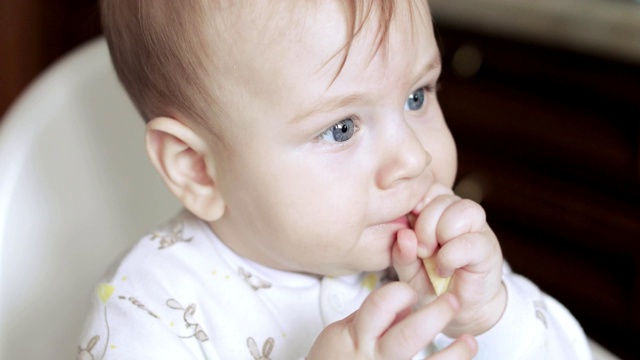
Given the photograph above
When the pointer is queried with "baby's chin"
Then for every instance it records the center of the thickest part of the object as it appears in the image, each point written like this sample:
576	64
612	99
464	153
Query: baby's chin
375	265
347	269
367	251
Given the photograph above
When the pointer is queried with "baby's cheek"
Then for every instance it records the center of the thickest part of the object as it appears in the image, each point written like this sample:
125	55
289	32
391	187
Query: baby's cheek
445	160
445	172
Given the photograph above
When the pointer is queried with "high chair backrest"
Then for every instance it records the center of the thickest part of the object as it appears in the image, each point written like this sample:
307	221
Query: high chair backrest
76	189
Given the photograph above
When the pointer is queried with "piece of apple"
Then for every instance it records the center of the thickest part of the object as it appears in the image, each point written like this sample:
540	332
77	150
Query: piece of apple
439	283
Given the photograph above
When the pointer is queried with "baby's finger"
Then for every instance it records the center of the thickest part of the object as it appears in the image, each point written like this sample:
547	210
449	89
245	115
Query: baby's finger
427	223
381	309
409	267
404	255
465	347
417	330
460	217
434	191
472	251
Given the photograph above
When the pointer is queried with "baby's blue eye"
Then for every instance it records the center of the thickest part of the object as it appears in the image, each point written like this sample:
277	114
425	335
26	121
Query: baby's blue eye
415	100
340	131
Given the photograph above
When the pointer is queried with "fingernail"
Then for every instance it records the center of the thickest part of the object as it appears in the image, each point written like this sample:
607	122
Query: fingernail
471	342
442	273
423	251
452	300
420	206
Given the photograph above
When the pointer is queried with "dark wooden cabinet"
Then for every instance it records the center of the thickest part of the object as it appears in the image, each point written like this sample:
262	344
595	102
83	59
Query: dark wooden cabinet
34	33
549	142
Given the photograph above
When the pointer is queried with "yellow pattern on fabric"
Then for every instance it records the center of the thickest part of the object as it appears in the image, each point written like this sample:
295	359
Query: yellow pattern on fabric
105	291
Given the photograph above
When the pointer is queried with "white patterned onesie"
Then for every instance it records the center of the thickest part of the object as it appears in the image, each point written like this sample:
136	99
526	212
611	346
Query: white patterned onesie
180	293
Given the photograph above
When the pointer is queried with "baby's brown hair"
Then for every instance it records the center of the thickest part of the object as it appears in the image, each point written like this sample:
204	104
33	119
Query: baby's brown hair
163	55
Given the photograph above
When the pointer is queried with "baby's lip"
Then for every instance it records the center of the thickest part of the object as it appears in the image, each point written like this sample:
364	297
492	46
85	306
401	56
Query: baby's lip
402	220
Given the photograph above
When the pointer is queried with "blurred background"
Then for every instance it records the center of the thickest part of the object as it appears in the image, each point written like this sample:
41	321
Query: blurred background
543	98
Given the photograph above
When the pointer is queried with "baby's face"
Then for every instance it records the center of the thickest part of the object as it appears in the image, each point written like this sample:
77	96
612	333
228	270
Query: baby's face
320	171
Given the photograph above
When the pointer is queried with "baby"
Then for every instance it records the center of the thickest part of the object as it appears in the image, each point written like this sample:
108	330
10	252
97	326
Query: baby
306	143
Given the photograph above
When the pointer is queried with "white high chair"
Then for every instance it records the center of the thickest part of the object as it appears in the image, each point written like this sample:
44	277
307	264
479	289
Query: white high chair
76	189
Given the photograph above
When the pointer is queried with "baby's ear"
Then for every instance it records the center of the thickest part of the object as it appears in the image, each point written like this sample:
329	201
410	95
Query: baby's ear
186	165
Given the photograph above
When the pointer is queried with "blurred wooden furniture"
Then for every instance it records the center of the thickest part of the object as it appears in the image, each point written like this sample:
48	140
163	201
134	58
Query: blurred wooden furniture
549	141
34	34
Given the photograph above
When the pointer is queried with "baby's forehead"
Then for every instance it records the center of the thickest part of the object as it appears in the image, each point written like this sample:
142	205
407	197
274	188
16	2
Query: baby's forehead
242	29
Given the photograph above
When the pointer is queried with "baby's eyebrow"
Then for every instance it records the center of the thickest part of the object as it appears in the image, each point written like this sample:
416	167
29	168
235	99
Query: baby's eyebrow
328	105
434	62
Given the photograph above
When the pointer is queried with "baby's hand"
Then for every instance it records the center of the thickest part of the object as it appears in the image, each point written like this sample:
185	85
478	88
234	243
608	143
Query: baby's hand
386	327
456	232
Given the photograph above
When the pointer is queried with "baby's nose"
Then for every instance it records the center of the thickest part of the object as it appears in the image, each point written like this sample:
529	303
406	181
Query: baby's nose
404	160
